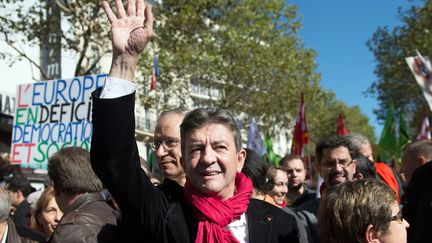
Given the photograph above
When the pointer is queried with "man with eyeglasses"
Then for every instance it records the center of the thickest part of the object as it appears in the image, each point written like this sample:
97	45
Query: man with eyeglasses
362	146
336	166
166	145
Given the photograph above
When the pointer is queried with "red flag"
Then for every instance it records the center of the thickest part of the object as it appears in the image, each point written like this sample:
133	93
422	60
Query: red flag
300	136
153	81
155	72
424	128
341	130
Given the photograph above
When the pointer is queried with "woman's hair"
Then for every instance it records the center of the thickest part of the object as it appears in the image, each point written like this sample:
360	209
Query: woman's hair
348	209
42	204
256	168
271	174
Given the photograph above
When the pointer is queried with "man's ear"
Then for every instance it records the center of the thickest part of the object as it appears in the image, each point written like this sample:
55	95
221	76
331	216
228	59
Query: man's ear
358	176
241	157
421	160
371	236
20	194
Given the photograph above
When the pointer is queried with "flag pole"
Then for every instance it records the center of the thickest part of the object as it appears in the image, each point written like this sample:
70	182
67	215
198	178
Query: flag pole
310	166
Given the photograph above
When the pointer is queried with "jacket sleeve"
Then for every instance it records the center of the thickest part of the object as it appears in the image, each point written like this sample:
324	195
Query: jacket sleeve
72	233
115	159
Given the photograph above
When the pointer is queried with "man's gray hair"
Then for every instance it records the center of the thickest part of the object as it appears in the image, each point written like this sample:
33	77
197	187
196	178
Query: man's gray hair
210	115
5	205
358	141
180	111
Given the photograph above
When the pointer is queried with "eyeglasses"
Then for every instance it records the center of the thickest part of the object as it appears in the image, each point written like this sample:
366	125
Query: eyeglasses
344	163
398	217
168	144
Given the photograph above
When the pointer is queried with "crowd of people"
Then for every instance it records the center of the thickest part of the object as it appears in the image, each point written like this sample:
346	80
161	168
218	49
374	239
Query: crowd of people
213	189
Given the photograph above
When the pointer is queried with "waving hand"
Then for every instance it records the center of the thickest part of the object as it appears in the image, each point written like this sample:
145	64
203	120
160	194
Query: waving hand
131	31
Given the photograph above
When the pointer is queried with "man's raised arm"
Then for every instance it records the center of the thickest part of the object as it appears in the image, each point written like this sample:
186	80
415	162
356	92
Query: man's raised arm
131	31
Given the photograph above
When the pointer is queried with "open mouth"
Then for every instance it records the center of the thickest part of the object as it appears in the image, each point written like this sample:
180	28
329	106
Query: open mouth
168	161
210	173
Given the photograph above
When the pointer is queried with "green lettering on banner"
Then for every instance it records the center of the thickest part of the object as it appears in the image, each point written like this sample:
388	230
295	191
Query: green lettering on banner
85	145
41	152
57	116
32	116
65	145
49	148
19	115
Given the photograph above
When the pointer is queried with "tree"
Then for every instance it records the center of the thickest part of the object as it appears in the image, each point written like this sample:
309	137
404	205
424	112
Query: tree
85	31
322	113
395	84
249	51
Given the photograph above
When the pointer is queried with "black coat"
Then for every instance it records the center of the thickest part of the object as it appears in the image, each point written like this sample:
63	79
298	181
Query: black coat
159	214
417	209
21	215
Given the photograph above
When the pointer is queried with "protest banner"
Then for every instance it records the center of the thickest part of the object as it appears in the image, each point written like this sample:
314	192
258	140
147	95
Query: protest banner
422	70
51	115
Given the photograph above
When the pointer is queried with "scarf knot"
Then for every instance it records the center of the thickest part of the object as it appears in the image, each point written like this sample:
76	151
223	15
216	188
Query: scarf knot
214	215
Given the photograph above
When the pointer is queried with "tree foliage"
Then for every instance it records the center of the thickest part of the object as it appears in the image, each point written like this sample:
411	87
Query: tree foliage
322	114
395	84
84	33
249	50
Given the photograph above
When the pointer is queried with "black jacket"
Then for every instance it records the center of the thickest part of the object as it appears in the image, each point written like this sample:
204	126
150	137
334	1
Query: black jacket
21	215
88	219
417	209
159	214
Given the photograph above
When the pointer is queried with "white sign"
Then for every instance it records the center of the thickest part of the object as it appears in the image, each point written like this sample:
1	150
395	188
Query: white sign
422	70
51	115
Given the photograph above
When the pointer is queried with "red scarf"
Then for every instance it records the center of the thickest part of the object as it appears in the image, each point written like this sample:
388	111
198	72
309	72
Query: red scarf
282	205
214	215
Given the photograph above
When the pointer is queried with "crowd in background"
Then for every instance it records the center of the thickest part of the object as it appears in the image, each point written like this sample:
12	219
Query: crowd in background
212	189
357	201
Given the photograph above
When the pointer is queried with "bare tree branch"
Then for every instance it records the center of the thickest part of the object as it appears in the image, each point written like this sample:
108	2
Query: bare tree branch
22	54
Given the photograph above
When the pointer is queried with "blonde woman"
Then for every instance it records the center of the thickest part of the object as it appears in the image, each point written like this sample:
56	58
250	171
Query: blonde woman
46	215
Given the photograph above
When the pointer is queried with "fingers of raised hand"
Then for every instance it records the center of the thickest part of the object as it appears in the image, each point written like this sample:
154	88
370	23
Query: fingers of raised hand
148	20
140	8
134	8
120	8
131	8
109	13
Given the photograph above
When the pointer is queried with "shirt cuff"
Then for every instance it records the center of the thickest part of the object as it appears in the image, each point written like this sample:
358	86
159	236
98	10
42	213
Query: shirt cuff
115	88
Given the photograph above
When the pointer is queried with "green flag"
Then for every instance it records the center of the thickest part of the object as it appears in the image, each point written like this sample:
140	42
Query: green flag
388	142
403	136
272	158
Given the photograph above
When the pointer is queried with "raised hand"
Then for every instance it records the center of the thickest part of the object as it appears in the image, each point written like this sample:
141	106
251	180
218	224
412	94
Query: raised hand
131	32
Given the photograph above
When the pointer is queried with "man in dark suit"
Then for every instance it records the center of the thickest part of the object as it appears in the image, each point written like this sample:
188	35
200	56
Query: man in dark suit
19	188
417	209
336	166
215	205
